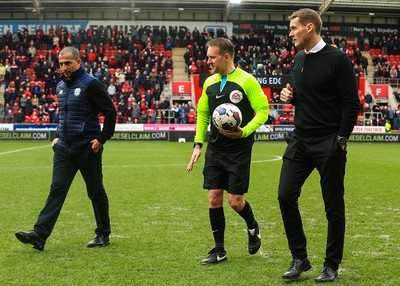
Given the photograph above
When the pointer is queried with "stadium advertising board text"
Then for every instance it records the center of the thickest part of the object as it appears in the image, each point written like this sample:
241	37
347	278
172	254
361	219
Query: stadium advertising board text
25	135
279	27
140	136
126	26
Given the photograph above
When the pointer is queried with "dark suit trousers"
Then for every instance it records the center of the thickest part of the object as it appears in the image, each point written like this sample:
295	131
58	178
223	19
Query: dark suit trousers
302	156
66	163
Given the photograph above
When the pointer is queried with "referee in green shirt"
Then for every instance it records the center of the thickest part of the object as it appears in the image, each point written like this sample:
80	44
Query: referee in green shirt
228	155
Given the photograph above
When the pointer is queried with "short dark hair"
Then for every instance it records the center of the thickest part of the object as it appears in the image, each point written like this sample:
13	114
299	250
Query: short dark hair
306	16
74	52
224	44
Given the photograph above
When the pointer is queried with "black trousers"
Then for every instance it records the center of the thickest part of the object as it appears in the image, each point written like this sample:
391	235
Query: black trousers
302	155
66	163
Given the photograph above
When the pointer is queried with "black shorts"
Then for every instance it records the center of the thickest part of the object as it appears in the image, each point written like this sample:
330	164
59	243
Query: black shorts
227	170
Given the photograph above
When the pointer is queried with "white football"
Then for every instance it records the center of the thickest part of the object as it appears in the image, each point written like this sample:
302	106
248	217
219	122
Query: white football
226	117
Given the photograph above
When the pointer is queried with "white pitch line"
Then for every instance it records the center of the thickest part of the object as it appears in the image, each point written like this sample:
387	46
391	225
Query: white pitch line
21	150
276	158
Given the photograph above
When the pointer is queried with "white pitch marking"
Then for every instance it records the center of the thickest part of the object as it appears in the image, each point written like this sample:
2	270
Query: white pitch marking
21	150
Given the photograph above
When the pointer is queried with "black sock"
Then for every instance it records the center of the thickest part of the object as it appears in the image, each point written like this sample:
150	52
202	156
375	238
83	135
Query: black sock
217	220
247	214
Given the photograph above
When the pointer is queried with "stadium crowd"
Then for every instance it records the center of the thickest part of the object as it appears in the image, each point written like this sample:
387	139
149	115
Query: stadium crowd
136	68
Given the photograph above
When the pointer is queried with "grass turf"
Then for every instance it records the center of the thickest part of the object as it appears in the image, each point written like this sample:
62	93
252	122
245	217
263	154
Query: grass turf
160	227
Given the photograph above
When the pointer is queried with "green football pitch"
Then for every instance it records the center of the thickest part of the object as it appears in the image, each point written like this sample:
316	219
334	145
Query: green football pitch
160	226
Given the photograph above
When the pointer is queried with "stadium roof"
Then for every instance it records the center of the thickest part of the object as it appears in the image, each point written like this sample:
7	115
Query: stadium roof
379	8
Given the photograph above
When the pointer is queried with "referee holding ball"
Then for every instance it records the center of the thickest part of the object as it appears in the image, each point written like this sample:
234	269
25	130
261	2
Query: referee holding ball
228	155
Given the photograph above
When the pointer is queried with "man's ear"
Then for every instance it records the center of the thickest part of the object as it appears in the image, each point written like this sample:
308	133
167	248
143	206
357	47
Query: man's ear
310	27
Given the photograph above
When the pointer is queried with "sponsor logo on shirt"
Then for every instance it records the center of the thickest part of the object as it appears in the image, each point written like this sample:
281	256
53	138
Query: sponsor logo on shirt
236	96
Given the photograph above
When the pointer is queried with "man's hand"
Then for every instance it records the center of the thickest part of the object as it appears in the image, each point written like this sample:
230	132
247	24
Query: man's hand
235	134
286	94
195	157
54	141
96	145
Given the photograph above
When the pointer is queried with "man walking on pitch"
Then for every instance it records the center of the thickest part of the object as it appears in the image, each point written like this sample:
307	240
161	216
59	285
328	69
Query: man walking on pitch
326	99
78	146
228	155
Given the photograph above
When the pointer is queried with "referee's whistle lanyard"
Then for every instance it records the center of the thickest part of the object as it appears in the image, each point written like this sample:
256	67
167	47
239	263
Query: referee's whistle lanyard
223	82
224	79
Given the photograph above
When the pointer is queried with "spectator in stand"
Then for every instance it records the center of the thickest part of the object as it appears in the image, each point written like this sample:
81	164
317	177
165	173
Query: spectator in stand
388	126
187	56
91	57
143	105
120	75
2	72
397	118
135	112
275	100
182	116
131	99
9	118
152	116
15	108
169	44
272	115
390	115
1	112
166	94
23	103
165	104
163	34
364	64
163	116
149	98
377	75
356	72
20	116
396	94
144	117
129	120
119	58
368	100
394	74
181	36
34	117
191	116
111	89
120	117
14	69
193	68
277	70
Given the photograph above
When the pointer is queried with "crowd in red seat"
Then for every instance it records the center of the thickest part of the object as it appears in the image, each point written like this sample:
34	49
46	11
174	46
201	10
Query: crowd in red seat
134	65
270	54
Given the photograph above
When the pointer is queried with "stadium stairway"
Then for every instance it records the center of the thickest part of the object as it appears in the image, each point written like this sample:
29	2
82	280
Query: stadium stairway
179	73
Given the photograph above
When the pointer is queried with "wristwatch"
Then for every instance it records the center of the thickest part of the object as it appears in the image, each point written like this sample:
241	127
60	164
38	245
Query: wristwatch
342	140
197	144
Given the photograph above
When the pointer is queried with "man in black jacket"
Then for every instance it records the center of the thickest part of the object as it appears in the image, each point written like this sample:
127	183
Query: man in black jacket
327	104
78	146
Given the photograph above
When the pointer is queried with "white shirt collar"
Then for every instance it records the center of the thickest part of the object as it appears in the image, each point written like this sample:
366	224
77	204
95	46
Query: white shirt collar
321	44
